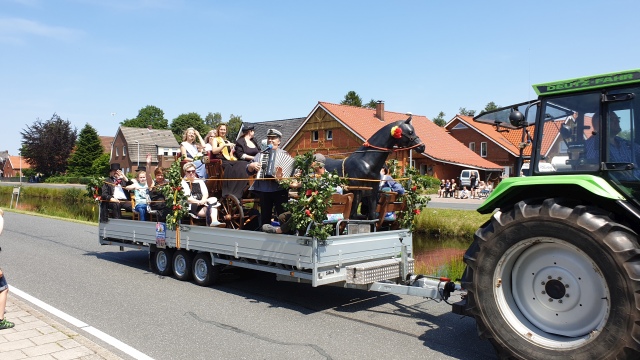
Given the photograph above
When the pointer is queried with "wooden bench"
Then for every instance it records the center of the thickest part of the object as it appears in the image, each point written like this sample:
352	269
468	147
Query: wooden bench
340	204
388	202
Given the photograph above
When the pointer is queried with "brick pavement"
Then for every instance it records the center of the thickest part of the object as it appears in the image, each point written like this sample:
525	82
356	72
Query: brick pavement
38	336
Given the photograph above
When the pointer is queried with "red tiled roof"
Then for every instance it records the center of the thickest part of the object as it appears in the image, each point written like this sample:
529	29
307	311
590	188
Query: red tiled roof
106	142
507	140
439	144
15	162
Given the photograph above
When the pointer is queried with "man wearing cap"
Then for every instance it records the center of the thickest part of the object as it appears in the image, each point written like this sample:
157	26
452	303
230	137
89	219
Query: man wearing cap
271	194
114	197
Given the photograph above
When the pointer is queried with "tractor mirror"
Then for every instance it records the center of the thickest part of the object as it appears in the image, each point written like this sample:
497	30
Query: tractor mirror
565	131
516	118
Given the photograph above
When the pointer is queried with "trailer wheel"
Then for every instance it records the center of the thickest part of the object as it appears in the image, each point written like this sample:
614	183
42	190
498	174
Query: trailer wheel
182	260
160	261
556	281
204	273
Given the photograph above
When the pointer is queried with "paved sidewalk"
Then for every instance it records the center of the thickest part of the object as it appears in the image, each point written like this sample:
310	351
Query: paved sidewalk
39	336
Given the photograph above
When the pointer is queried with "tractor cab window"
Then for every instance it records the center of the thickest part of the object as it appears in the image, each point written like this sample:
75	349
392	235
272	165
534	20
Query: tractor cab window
564	134
621	132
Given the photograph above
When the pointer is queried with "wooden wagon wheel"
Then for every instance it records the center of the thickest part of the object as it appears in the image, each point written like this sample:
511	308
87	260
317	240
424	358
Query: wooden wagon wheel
231	212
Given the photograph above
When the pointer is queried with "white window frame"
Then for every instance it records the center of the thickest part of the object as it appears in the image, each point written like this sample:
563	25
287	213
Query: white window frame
124	151
472	146
328	134
483	149
115	147
314	135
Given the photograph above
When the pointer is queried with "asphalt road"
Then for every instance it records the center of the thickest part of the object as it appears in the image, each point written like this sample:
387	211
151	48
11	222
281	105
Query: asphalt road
248	316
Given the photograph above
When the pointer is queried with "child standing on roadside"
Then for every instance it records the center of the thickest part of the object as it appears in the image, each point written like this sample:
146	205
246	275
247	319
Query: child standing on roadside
4	288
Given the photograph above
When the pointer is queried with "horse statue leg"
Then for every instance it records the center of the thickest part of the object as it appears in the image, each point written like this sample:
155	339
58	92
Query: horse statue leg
373	204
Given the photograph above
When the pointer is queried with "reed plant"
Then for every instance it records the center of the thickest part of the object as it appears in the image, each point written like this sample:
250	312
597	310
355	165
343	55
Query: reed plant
450	222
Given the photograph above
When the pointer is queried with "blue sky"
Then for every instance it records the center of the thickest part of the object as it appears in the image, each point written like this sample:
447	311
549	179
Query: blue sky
268	60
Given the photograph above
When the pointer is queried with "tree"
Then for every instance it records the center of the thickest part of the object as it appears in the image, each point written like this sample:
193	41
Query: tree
465	112
148	115
352	98
88	149
101	166
212	120
46	145
185	121
439	120
490	107
371	104
233	127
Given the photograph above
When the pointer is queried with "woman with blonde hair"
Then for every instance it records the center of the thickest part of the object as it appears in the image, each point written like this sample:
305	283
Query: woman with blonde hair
191	149
222	147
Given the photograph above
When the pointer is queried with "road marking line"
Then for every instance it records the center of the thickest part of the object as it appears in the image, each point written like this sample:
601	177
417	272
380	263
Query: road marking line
82	325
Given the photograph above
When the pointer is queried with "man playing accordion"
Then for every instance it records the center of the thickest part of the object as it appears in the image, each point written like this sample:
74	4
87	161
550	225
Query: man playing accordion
271	194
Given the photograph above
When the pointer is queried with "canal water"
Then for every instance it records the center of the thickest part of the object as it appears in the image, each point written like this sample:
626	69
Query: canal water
433	255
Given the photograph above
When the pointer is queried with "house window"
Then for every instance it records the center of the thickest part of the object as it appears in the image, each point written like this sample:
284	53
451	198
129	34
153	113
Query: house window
460	126
124	151
115	147
314	135
329	134
472	146
166	153
483	149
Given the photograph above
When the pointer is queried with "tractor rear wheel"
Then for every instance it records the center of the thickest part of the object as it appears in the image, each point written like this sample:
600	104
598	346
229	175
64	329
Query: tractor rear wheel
551	280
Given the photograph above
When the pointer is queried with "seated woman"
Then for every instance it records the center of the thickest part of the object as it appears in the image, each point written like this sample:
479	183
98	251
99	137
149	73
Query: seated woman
222	149
191	149
387	183
246	146
198	196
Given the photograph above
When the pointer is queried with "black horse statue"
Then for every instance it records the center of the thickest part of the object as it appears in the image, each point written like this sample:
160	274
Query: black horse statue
366	162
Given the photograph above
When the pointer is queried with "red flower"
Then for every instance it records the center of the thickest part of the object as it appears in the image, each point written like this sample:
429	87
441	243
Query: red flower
414	188
416	211
396	132
309	192
179	188
307	212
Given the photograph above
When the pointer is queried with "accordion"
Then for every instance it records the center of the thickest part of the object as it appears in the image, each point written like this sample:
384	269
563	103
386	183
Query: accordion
273	159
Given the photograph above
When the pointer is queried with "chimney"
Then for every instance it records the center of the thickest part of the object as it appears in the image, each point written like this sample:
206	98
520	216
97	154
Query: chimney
380	110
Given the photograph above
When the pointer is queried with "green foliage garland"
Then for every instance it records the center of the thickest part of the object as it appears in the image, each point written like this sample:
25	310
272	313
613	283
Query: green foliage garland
176	200
413	184
314	198
94	187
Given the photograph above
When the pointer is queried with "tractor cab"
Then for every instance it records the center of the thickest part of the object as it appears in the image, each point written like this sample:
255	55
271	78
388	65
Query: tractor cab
580	126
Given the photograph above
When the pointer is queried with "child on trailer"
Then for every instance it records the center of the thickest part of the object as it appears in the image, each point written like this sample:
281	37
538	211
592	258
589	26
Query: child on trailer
141	194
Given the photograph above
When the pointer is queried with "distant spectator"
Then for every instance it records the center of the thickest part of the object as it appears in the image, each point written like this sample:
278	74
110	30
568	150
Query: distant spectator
464	193
442	189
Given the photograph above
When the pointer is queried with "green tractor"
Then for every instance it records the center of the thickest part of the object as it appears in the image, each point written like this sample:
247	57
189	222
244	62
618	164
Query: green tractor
555	273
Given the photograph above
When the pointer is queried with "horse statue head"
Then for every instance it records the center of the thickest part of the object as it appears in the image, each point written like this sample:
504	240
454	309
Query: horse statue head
364	165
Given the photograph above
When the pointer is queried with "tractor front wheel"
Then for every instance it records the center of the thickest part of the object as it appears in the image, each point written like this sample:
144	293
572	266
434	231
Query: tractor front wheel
551	280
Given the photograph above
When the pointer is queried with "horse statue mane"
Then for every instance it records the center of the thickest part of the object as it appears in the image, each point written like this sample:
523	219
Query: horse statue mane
366	162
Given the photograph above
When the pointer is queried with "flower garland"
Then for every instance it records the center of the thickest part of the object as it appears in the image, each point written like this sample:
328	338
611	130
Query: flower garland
314	198
413	185
94	187
174	196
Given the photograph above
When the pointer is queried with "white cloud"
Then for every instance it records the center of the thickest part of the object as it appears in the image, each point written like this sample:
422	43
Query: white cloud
15	30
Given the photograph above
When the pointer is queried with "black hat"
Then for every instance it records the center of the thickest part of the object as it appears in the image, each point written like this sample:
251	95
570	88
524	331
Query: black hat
115	166
247	127
141	168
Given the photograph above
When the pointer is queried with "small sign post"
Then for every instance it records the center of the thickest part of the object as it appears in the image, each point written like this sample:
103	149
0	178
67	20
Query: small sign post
16	193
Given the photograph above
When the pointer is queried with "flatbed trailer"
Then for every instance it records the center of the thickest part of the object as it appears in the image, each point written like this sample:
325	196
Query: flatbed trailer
377	261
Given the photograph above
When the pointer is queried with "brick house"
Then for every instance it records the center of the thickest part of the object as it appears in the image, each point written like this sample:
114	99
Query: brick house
13	164
503	147
338	130
131	145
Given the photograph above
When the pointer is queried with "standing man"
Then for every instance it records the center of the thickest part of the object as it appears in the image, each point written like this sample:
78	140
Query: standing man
113	196
271	194
4	288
